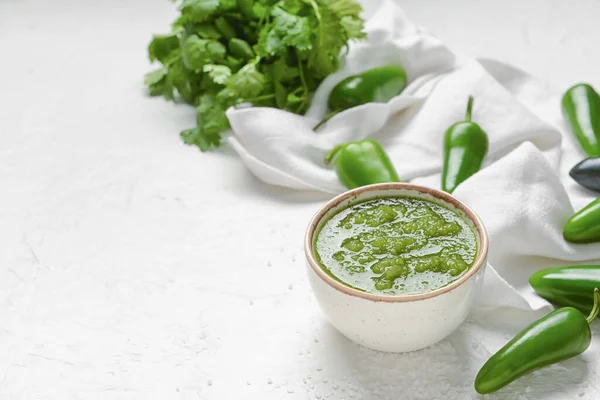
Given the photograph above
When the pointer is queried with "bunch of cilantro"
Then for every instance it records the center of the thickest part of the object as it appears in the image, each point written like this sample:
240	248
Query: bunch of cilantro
271	53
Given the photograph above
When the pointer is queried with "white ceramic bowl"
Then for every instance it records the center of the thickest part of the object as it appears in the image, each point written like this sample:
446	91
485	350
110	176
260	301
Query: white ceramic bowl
398	323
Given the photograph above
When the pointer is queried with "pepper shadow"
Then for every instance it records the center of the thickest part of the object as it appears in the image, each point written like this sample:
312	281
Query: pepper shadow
559	381
426	374
445	370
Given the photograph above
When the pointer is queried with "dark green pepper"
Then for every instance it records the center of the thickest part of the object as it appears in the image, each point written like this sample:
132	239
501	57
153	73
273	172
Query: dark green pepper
465	147
571	285
377	85
584	225
561	334
581	107
361	163
587	173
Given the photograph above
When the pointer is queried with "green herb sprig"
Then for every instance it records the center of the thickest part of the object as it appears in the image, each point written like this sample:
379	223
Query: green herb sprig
268	53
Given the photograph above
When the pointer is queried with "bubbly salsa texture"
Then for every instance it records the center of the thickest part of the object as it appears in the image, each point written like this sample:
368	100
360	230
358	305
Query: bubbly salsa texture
396	245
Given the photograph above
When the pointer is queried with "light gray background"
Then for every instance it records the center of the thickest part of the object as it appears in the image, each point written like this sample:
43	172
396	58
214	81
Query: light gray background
129	263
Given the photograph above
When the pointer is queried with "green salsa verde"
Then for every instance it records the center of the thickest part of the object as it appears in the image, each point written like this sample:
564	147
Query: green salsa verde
396	245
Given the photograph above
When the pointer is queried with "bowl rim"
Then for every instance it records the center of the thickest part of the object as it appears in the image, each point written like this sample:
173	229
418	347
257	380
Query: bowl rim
447	198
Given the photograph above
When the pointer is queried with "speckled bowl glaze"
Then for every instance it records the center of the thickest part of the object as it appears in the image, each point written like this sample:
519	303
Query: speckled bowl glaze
398	323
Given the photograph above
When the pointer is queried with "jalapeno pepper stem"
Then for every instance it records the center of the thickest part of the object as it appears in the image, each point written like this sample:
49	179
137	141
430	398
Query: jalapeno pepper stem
596	309
469	109
327	118
329	156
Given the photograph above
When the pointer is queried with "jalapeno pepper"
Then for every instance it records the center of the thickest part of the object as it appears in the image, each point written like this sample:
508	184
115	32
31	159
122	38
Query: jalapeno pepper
361	163
587	173
581	107
377	85
561	334
584	225
465	147
571	285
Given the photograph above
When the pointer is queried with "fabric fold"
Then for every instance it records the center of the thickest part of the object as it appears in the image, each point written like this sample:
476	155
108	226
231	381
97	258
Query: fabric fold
523	193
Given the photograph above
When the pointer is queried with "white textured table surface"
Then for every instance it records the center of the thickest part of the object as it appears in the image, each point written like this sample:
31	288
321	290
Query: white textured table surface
134	267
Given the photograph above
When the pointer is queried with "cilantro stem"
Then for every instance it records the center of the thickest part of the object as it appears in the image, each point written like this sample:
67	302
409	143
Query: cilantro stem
304	84
234	16
315	7
263	97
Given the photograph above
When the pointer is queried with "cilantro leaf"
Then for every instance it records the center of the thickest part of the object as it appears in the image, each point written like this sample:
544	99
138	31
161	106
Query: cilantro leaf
205	141
163	47
155	81
248	82
199	10
154	77
271	53
187	84
269	43
280	95
197	52
228	5
283	72
218	73
293	6
207	31
327	44
280	75
348	12
211	119
343	8
233	63
354	27
293	99
292	30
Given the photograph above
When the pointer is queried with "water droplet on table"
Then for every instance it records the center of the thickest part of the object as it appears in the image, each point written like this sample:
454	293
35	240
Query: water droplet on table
290	391
248	383
269	381
319	369
300	353
290	286
209	383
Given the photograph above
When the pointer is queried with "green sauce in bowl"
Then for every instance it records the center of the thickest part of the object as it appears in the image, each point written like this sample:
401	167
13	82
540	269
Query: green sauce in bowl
396	245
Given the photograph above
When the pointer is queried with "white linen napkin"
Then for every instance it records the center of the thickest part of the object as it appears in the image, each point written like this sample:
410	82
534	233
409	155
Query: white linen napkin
523	194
